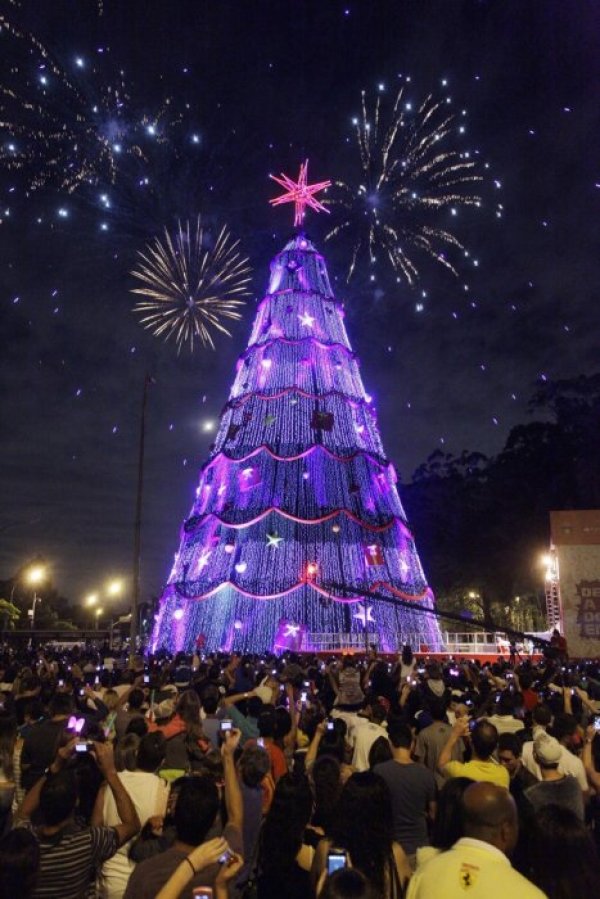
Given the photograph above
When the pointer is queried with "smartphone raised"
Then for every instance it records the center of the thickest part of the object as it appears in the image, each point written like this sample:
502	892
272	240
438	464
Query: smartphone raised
202	893
336	859
226	724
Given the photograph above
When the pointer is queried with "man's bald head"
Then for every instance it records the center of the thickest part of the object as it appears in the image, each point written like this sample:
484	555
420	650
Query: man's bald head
490	815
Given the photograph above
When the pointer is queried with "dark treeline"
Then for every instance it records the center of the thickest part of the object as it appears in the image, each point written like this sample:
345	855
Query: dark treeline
481	523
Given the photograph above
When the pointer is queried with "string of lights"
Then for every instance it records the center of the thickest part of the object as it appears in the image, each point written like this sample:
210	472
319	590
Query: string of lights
296	493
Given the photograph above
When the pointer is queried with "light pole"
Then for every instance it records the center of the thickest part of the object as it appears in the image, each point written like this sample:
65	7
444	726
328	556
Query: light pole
137	538
97	614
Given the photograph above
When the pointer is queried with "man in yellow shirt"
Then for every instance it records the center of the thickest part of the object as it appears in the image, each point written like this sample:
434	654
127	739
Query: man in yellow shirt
484	740
477	867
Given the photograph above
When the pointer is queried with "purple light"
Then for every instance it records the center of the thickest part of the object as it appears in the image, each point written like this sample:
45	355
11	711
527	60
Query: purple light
304	513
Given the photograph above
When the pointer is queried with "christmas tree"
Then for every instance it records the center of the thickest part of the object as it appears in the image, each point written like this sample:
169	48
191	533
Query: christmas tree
297	510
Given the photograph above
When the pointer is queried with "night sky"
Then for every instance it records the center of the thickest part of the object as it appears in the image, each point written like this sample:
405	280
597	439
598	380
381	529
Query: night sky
254	88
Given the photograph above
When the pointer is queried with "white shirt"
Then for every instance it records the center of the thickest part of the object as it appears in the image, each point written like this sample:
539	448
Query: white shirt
506	724
362	738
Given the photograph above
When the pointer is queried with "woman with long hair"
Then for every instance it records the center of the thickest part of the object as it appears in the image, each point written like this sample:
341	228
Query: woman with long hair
364	828
186	743
325	777
284	860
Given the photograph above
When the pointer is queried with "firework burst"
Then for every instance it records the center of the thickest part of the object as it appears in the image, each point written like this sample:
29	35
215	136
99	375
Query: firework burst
412	182
190	283
66	126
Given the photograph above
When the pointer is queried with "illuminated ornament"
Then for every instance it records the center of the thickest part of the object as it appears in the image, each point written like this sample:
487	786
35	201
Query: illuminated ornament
274	540
266	363
365	615
237	625
241	567
203	560
404	567
291	630
178	614
269	419
249	477
229	547
336	528
312	570
300	193
374	554
322	421
306	319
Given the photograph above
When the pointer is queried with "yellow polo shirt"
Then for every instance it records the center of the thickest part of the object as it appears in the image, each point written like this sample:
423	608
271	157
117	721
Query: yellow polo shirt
471	869
490	771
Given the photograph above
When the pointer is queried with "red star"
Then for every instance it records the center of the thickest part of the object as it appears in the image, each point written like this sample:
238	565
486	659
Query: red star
300	193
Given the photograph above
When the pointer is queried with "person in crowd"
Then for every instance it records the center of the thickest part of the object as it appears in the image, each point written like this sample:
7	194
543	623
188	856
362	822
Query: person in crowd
254	768
19	864
504	719
204	856
329	740
135	701
554	788
266	729
41	743
209	700
477	865
284	859
569	763
483	738
372	850
432	739
195	814
69	852
408	665
448	824
509	755
126	750
380	751
149	794
412	789
363	735
326	783
345	682
8	740
246	724
563	861
185	740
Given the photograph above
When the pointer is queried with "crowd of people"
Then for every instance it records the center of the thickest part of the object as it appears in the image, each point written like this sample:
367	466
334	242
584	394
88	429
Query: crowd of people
259	777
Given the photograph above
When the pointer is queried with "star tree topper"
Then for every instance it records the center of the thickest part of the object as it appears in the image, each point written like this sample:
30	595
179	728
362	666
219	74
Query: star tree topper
300	193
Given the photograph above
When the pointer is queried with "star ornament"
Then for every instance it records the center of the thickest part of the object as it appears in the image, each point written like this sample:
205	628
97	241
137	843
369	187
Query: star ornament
300	193
274	540
365	615
291	630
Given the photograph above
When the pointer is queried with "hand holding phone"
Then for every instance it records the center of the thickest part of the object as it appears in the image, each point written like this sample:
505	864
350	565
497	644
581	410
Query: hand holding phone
336	859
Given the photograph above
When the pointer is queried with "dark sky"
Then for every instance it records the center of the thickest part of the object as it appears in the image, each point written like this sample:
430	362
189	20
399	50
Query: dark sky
264	84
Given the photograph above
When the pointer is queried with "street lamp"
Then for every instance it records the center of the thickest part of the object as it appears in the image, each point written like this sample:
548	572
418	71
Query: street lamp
92	599
34	576
115	587
98	613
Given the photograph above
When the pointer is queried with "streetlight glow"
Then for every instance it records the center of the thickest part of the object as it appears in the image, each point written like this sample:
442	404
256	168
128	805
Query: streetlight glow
115	587
92	599
36	574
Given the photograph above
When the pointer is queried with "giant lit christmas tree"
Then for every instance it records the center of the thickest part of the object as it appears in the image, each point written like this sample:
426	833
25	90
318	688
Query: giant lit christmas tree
297	511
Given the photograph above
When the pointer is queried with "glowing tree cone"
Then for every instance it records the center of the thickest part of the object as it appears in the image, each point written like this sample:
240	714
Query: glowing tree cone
297	496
